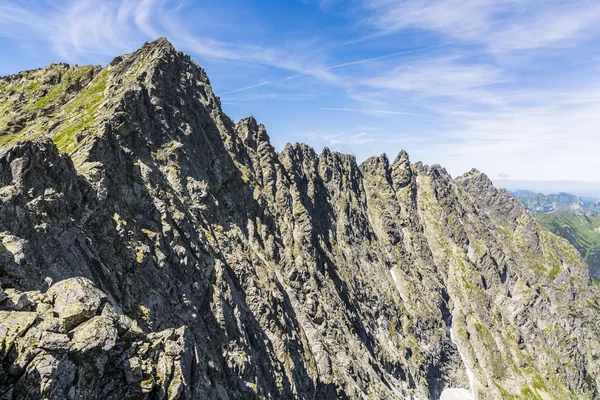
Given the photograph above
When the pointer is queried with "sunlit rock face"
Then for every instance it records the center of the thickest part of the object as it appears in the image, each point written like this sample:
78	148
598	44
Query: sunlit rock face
152	248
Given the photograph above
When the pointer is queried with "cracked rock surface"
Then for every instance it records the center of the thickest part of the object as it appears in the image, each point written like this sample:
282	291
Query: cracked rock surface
151	248
103	355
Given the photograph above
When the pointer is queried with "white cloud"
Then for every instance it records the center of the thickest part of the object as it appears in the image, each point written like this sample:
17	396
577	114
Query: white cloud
501	25
279	96
361	138
447	76
338	140
554	137
488	119
370	111
81	28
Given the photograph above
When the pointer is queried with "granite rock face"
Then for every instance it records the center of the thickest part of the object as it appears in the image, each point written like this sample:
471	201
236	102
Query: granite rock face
152	248
101	354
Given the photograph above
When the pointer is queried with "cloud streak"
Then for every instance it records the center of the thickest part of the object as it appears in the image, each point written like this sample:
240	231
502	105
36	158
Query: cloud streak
370	111
500	25
80	28
448	76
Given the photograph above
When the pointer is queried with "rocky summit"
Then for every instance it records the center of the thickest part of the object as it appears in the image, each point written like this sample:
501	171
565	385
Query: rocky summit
152	248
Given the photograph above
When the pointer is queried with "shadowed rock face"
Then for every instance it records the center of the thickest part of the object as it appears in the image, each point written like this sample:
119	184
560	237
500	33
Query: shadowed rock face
155	249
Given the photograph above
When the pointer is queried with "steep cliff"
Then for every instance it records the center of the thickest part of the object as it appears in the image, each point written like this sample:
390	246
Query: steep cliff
153	248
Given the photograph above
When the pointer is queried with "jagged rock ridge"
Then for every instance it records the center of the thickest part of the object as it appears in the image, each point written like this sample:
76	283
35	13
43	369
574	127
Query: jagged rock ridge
214	267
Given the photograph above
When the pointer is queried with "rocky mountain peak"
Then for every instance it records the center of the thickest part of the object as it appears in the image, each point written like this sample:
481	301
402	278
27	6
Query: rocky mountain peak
474	174
152	248
157	55
402	158
160	45
381	164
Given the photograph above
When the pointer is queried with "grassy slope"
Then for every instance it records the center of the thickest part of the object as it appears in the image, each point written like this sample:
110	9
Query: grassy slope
58	101
582	231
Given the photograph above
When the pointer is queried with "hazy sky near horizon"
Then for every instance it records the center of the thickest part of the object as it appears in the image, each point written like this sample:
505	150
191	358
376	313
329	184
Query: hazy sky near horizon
509	87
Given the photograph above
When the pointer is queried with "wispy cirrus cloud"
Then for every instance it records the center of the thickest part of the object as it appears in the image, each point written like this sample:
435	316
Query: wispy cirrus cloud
343	81
338	139
79	28
501	25
538	134
360	138
370	111
83	27
447	76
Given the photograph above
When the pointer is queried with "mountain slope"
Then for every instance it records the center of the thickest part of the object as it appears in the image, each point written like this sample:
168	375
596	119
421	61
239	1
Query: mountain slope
570	217
582	231
227	270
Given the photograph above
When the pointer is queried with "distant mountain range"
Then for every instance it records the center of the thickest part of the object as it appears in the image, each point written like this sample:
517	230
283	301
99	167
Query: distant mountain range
578	188
574	218
539	203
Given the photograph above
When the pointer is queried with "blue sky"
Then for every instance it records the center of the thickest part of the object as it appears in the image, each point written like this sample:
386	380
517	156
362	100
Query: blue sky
509	87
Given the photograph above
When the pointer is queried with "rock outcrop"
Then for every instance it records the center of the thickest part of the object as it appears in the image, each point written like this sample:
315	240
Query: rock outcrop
152	248
57	350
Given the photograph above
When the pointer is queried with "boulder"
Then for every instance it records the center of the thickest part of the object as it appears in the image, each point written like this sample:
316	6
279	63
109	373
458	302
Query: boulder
76	300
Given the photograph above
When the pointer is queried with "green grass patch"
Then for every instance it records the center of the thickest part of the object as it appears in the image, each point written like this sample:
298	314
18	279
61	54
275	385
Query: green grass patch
582	231
82	111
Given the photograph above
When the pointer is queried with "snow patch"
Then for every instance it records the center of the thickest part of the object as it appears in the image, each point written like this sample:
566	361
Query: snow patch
456	394
394	277
459	393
